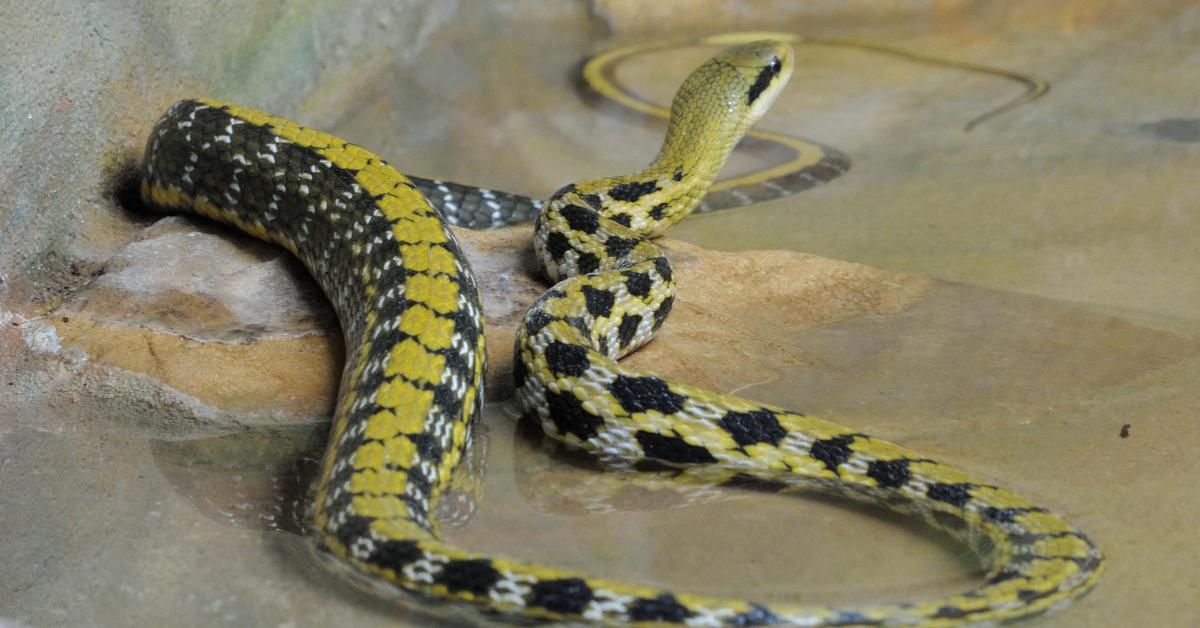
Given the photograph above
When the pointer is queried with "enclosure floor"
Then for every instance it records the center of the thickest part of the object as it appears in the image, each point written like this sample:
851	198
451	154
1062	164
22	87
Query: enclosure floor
1059	357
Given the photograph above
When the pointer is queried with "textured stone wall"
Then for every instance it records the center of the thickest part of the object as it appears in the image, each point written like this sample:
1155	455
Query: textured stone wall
90	296
81	82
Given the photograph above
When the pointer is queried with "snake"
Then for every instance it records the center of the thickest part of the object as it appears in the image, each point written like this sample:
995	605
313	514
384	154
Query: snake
411	388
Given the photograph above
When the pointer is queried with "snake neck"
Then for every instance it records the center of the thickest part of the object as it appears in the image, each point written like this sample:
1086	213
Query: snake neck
611	219
708	119
702	131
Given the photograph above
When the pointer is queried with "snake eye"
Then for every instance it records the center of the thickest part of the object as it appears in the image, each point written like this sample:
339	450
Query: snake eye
775	66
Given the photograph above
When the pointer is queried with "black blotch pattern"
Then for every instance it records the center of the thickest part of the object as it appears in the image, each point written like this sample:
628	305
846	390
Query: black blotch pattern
617	247
832	451
519	371
954	494
391	310
464	326
566	359
588	263
352	529
657	211
427	446
592	200
756	426
663	310
663	266
569	416
662	608
581	218
475	576
621	219
628	328
536	321
1005	574
395	554
638	394
672	449
568	596
448	401
678	176
557	244
889	473
1029	595
999	515
632	191
603	348
580	324
949	612
417	478
599	302
638	284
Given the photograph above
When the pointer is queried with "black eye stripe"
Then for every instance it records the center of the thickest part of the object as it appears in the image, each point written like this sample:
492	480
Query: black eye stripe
764	78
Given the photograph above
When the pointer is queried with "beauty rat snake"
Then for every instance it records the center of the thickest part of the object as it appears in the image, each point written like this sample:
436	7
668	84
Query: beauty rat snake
411	387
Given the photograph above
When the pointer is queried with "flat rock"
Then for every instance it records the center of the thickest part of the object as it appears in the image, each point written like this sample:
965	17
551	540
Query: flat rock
226	332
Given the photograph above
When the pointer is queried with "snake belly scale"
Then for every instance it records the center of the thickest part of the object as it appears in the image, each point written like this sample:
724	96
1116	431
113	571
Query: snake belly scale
411	387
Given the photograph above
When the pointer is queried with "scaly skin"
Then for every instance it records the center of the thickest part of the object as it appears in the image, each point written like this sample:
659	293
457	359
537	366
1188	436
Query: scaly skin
615	287
414	335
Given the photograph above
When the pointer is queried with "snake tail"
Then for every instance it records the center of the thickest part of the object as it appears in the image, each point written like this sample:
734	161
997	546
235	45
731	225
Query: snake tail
475	207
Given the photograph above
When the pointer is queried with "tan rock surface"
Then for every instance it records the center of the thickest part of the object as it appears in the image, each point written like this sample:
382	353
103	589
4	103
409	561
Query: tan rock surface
235	326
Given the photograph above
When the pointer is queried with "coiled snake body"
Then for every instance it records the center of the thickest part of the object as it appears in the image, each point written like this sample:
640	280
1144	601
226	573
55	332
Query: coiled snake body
411	387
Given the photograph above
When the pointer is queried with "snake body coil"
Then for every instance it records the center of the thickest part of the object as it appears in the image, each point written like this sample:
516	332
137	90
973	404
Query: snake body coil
415	358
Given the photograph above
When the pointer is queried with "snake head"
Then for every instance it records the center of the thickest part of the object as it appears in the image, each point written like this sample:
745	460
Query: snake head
761	68
722	99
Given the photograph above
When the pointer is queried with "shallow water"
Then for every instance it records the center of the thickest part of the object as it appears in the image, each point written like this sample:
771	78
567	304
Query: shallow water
1068	227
